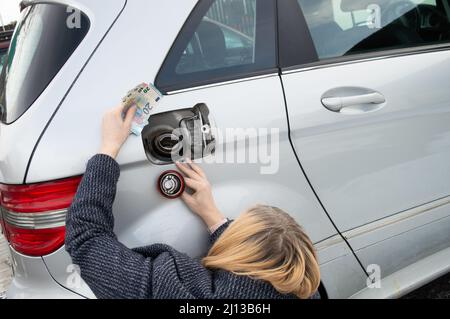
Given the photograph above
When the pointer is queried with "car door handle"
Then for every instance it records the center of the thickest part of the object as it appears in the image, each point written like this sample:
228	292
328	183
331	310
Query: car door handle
353	100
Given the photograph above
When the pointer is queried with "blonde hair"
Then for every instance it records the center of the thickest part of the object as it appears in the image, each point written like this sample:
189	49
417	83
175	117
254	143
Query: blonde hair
265	243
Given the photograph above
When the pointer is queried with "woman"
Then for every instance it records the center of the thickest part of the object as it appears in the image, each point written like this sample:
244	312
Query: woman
262	254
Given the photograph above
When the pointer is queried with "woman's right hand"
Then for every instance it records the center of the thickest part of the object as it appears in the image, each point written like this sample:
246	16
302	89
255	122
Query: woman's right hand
201	201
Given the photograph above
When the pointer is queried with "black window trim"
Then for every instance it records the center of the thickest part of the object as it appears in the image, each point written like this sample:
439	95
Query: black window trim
219	81
296	45
190	26
349	59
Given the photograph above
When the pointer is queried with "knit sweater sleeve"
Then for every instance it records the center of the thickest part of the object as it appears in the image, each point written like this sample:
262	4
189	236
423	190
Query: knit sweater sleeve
109	268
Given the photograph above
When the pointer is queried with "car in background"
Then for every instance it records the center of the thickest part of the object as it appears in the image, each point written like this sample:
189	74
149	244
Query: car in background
356	92
5	39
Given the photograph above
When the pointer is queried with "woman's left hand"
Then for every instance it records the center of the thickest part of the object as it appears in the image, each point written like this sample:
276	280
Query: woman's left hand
116	130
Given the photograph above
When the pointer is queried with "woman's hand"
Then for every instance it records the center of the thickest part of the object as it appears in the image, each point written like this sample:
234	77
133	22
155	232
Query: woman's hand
116	130
201	201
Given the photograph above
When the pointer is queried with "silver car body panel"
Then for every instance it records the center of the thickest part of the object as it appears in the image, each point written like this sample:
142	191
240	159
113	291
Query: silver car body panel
32	280
409	278
361	164
59	265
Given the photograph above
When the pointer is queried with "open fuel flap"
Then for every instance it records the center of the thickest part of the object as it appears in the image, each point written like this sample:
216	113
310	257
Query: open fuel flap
180	134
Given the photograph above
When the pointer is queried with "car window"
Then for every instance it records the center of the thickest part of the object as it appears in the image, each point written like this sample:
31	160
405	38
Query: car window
222	38
41	45
345	27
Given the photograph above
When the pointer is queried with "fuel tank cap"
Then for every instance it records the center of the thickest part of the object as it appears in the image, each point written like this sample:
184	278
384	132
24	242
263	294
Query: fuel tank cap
171	184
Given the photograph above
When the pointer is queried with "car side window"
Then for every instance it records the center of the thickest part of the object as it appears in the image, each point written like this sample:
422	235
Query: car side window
345	27
223	39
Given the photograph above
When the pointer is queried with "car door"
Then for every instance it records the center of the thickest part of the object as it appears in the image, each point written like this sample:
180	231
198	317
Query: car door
366	86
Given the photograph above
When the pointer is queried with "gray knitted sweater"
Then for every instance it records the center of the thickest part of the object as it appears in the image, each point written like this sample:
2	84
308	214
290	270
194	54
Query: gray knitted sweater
157	271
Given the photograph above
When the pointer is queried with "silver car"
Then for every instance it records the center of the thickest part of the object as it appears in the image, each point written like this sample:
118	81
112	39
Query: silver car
339	109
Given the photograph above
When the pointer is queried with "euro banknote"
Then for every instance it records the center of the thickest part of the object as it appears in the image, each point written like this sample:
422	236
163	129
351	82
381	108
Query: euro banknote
145	97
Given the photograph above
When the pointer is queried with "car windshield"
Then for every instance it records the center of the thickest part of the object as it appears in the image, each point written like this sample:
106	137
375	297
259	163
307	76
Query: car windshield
42	43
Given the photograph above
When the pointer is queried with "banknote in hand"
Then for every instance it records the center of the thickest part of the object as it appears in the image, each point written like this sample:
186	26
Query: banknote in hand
145	97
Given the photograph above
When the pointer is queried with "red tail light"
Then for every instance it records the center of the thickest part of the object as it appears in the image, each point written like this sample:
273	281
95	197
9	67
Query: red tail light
33	216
